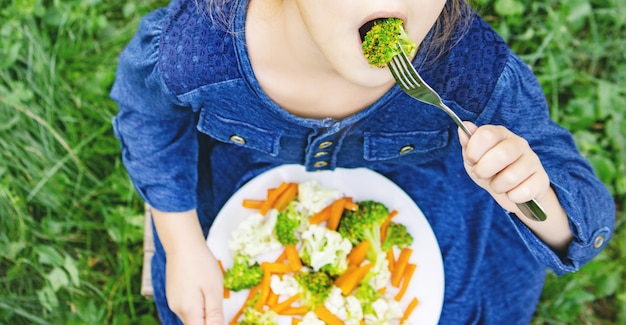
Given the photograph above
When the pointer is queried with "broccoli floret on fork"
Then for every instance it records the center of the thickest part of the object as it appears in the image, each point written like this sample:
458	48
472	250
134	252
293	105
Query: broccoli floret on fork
380	42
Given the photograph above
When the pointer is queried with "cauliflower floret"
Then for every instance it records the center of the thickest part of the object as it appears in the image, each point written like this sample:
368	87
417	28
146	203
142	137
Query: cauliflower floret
254	236
311	319
386	311
348	309
325	248
379	275
314	197
285	286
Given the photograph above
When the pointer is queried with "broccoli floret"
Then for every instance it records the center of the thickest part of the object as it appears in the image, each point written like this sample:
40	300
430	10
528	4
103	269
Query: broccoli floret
253	317
397	235
366	294
364	223
287	222
380	43
243	274
315	287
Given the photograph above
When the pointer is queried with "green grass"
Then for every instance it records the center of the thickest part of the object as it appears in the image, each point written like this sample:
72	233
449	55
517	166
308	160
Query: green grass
71	223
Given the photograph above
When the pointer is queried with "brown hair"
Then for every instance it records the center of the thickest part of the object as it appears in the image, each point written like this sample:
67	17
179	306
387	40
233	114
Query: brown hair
447	30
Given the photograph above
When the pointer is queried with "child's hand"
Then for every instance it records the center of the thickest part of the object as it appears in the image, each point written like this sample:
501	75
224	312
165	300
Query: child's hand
193	283
194	286
503	164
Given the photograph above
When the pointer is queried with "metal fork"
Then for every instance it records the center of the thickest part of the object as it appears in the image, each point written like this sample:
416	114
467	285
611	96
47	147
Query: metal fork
412	83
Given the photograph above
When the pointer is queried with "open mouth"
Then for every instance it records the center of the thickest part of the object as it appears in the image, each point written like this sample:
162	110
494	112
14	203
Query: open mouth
367	26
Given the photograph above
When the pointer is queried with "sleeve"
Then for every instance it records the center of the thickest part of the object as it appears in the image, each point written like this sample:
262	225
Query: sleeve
518	102
156	132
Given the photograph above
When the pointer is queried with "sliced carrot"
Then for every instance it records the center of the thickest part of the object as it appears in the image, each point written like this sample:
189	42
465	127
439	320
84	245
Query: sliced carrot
398	271
272	196
347	274
293	257
287	196
282	257
350	205
409	309
336	210
382	290
265	291
355	277
406	280
320	216
358	253
272	299
300	310
391	259
252	204
275	268
279	307
251	294
295	321
385	225
329	318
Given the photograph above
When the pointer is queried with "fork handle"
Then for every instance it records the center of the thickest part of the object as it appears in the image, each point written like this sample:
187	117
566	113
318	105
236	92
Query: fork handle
531	209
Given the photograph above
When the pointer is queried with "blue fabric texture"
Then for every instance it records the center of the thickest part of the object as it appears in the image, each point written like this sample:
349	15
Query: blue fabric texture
185	87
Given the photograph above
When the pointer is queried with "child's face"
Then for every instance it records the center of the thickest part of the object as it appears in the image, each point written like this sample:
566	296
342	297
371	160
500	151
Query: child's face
334	29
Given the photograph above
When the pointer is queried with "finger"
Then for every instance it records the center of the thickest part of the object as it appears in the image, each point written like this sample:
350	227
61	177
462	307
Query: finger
484	138
213	314
463	138
514	175
499	157
534	187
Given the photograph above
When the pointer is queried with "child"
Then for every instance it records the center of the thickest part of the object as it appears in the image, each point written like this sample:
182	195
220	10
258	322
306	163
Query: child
212	94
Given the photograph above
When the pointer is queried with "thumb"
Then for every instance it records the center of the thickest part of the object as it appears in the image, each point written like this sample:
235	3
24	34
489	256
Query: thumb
463	138
213	313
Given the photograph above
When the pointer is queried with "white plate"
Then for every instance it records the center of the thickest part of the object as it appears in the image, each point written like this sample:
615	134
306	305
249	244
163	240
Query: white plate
361	184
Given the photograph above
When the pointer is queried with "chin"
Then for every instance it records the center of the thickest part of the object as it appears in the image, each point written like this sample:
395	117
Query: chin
372	77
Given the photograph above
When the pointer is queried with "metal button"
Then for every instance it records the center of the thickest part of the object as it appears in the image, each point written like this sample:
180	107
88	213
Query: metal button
325	144
321	153
237	139
406	149
320	164
597	243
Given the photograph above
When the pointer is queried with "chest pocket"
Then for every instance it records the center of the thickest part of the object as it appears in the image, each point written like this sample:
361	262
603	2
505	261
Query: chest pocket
418	145
239	133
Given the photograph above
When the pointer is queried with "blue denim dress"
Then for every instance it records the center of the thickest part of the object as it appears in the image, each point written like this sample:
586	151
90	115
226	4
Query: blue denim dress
194	125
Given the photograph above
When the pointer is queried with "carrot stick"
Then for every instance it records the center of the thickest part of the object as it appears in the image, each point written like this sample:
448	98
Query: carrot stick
358	252
409	309
382	290
401	263
287	196
272	299
295	321
324	314
350	205
385	225
275	268
282	257
279	307
300	310
251	295
347	274
226	293
272	196
355	277
406	279
336	209
320	216
265	291
252	204
391	259
293	257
